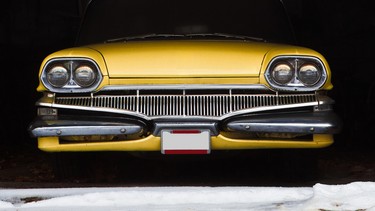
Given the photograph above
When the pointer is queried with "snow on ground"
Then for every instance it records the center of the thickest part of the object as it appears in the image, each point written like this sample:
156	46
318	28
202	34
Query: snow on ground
352	196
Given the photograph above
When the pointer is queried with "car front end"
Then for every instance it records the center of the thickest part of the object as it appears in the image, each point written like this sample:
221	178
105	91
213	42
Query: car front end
184	96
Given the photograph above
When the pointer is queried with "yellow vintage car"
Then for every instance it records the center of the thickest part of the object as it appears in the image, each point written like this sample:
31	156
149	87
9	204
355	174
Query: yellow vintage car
184	78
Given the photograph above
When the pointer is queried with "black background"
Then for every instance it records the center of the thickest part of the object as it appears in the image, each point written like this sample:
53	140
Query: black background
342	30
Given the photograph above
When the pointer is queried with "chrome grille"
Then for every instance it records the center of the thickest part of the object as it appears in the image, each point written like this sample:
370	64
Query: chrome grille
208	105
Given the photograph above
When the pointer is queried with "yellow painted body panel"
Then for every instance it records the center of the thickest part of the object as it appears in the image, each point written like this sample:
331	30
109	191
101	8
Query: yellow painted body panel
184	62
161	81
152	143
183	58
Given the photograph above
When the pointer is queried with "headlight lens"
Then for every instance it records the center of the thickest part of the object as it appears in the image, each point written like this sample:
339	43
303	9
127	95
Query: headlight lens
282	73
309	74
58	76
84	76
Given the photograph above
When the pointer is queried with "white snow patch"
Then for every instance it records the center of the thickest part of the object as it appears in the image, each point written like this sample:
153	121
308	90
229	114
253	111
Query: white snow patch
352	196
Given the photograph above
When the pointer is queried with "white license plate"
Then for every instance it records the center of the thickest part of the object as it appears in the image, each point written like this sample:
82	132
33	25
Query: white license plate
185	141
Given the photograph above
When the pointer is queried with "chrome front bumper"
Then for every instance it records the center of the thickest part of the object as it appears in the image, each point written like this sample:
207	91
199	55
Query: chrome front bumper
321	122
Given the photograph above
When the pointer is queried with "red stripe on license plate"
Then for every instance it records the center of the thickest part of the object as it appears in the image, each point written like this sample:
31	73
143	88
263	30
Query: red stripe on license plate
186	152
185	131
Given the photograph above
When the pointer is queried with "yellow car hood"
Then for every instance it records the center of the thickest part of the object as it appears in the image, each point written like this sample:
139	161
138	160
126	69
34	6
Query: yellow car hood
167	59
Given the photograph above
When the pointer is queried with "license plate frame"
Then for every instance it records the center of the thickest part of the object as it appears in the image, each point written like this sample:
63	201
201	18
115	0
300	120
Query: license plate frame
185	141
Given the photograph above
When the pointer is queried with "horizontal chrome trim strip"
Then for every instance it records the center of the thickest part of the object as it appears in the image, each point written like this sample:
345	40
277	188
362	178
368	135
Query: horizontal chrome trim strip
83	130
325	122
68	128
283	127
186	87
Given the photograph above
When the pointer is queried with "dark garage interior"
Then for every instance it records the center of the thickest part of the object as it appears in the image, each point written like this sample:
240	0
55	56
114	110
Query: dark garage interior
343	31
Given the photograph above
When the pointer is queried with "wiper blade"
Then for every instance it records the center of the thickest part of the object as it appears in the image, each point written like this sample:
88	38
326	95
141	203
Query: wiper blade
225	35
145	36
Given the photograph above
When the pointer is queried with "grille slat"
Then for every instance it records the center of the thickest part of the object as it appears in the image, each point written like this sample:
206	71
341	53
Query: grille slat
186	105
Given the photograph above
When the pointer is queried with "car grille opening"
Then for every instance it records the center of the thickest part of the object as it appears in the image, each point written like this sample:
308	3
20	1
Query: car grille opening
184	103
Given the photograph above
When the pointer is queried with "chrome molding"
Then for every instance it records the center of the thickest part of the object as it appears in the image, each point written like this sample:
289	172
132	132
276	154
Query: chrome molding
85	130
308	122
186	87
197	106
63	127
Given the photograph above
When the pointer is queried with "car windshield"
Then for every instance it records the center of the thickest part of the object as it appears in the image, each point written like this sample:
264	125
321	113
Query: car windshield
121	20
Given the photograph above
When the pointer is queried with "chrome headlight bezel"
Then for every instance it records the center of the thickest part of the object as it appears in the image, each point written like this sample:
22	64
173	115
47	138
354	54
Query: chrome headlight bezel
296	83
71	65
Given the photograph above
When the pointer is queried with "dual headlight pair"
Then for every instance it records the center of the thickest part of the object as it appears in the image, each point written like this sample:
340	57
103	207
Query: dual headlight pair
296	73
73	75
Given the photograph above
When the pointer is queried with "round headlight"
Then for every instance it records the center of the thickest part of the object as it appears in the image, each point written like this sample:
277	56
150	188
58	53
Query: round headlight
309	74
58	76
282	73
84	76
